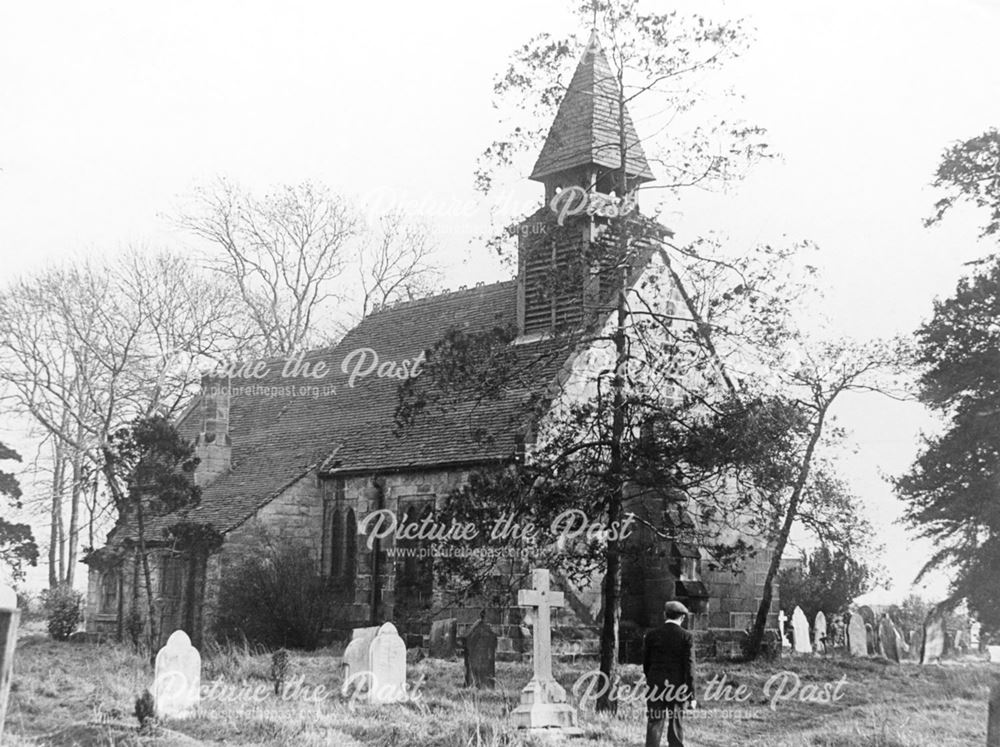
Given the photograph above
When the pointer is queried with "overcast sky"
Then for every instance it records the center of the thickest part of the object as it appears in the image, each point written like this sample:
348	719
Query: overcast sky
112	112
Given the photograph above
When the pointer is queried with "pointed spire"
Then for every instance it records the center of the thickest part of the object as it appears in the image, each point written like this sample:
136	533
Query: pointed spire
585	129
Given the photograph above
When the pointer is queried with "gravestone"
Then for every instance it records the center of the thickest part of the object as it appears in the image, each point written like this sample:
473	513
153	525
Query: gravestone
177	679
974	630
387	657
857	636
543	700
800	629
993	653
819	633
9	615
887	639
354	660
481	656
933	645
444	638
871	625
782	619
993	717
901	643
961	643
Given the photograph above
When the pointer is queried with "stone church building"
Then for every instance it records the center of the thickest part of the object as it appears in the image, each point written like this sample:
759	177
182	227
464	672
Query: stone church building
307	458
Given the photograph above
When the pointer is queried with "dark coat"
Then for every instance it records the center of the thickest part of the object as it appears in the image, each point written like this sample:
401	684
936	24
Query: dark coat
668	659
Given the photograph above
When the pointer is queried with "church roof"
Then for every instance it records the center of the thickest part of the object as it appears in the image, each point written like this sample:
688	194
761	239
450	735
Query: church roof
281	433
585	129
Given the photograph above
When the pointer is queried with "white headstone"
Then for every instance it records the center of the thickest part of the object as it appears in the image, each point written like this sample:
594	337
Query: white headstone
387	659
974	630
800	628
354	661
819	633
8	598
177	682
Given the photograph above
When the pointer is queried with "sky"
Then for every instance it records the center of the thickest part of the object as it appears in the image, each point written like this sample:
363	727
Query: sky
114	111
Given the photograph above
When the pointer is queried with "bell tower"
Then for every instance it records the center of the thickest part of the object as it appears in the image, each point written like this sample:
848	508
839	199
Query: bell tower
558	278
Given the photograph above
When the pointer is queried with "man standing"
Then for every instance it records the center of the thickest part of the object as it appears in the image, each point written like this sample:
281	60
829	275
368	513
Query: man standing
668	663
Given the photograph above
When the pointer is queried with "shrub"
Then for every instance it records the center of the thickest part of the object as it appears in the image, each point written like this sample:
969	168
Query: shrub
279	669
276	598
145	712
63	606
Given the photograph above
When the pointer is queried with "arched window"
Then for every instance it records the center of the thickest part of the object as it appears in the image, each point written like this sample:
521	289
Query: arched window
415	569
337	546
350	548
109	591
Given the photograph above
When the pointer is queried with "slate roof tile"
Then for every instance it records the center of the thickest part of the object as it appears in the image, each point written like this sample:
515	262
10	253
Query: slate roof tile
280	434
585	128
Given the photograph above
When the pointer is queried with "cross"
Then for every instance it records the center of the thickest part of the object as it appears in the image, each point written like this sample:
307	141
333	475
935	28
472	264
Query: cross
782	619
543	599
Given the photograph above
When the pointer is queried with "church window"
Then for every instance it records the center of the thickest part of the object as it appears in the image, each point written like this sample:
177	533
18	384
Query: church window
350	547
109	591
337	546
414	564
171	577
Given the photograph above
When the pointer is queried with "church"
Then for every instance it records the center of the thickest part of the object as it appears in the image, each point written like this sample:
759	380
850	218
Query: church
306	458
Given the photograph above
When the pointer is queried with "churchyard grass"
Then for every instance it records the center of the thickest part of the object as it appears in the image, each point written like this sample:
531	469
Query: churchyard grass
66	694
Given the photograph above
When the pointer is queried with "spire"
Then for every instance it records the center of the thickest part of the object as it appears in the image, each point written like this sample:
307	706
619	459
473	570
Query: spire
585	130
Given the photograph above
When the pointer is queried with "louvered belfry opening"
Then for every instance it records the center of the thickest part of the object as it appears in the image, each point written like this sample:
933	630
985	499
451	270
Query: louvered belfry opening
553	276
564	275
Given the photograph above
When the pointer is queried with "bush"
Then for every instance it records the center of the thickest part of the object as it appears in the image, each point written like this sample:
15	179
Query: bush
275	598
145	712
63	606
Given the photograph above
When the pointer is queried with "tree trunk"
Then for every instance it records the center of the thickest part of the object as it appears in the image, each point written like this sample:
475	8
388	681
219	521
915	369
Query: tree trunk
56	511
61	529
147	577
74	519
760	622
611	589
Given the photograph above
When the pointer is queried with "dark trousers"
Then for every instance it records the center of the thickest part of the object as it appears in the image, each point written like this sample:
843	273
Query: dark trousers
663	715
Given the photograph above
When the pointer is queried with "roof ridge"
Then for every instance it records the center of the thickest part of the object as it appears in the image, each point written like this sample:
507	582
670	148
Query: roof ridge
447	292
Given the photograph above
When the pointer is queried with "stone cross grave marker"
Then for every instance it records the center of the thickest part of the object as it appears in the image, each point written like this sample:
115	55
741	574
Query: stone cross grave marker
354	660
782	619
177	679
888	639
543	700
857	636
444	638
9	615
387	654
481	656
819	633
800	629
933	646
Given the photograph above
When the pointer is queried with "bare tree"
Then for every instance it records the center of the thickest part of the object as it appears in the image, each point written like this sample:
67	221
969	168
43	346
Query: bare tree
283	253
86	348
395	262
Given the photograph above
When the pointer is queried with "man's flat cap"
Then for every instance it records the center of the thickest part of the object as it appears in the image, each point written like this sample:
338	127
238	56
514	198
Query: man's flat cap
674	608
